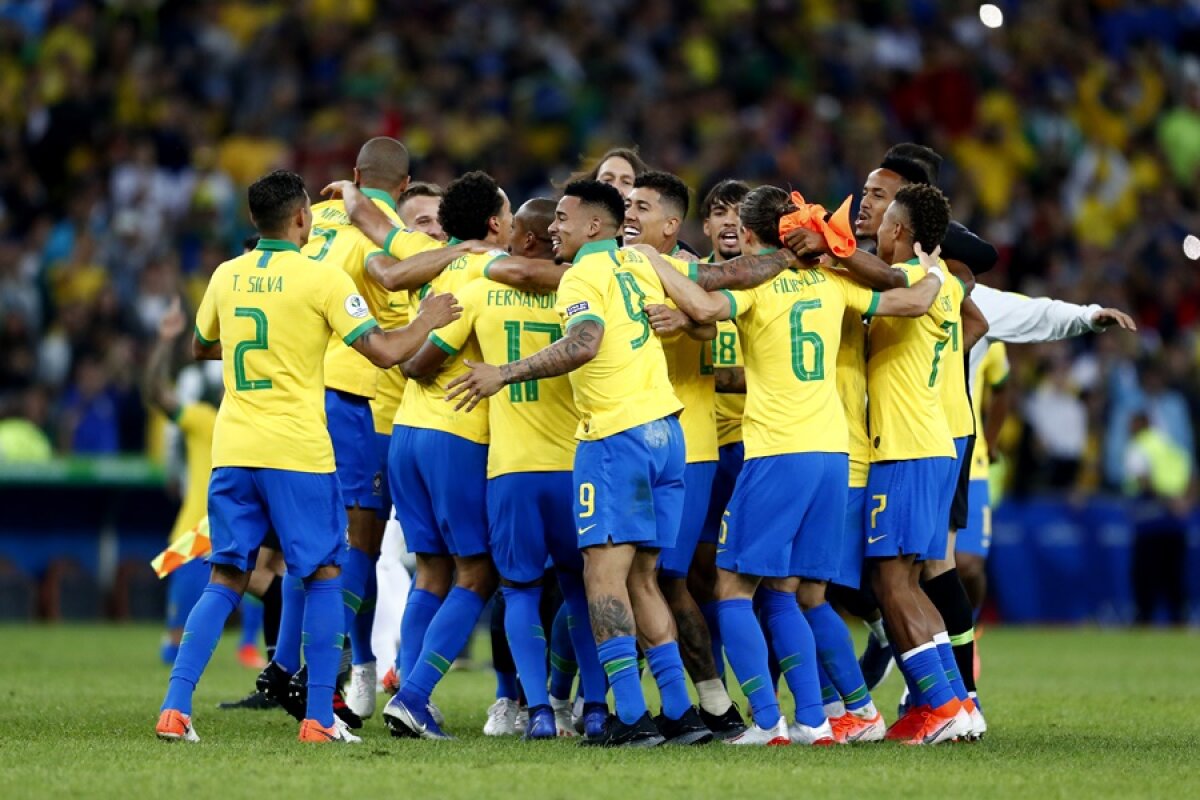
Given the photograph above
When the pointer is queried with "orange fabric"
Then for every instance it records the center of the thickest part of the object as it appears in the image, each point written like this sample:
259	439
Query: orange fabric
838	233
194	544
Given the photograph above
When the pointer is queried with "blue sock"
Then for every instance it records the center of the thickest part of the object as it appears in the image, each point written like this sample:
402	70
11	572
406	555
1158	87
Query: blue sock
709	610
527	640
291	622
323	641
667	668
797	654
772	658
928	674
593	683
746	649
200	636
835	652
506	685
563	666
364	622
252	619
946	654
418	613
829	692
914	694
619	657
355	567
449	631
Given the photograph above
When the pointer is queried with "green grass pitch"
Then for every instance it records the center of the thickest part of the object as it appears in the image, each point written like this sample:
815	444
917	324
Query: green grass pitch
1074	713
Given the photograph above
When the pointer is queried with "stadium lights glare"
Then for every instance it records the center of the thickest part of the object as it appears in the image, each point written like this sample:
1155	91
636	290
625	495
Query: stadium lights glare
991	15
1191	247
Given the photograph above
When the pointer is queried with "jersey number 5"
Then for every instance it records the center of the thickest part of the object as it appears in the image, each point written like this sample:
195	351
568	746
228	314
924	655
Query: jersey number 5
800	337
527	390
259	342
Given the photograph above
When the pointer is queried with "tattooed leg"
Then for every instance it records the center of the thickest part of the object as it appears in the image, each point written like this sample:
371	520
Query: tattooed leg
605	575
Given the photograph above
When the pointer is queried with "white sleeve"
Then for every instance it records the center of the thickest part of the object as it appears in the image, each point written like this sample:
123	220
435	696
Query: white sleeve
1017	319
1137	466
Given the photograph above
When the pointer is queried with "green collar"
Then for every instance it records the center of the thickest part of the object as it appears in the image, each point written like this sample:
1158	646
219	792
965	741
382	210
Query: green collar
675	249
598	246
711	258
766	250
914	261
382	196
276	244
454	240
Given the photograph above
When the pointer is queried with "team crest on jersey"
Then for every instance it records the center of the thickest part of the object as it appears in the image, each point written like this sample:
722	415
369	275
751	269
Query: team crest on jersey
577	308
356	306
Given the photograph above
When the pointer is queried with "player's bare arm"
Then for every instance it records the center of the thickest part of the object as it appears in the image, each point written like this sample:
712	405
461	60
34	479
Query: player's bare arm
527	274
157	389
730	380
417	270
363	213
426	364
667	321
974	324
700	305
915	300
866	268
576	348
386	349
745	272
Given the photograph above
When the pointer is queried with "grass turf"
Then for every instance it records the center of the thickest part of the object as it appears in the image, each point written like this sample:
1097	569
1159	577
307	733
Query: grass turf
1074	713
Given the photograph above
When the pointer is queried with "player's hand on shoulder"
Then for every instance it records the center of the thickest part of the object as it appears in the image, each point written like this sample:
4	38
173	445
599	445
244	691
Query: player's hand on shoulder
337	189
928	260
173	321
1108	317
805	244
666	321
483	381
477	247
440	309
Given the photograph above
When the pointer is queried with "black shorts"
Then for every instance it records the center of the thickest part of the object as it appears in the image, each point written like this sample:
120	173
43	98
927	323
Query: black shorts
958	508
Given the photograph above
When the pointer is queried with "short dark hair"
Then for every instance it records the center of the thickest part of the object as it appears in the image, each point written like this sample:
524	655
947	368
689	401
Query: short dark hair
670	188
469	202
539	212
382	163
728	192
924	158
928	213
250	242
420	189
601	195
273	198
760	212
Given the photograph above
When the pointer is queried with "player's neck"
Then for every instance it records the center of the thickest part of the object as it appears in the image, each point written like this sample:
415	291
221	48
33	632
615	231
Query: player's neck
291	236
670	247
378	193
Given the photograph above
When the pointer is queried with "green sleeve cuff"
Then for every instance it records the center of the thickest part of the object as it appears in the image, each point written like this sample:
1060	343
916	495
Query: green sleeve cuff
733	309
374	253
442	345
353	336
874	305
489	264
585	318
178	415
200	338
387	243
1000	383
693	271
963	285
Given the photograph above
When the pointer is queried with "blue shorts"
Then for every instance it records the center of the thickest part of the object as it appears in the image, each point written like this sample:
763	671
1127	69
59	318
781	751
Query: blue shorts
906	510
530	517
786	516
697	492
352	429
853	541
383	442
304	509
184	587
629	486
976	538
439	487
729	464
941	544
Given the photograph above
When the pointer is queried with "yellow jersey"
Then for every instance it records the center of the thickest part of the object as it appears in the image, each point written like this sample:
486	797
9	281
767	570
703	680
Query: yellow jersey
726	351
335	241
424	404
195	421
272	310
791	330
990	375
532	423
852	389
626	384
690	368
390	388
905	370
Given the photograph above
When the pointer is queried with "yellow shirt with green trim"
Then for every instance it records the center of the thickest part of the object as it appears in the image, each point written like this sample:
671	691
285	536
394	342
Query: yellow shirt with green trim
991	374
424	404
791	329
852	389
955	399
905	370
690	369
335	241
532	423
729	407
272	310
196	422
626	384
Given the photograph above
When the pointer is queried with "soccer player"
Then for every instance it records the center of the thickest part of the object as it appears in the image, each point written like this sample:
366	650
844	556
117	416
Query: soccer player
418	206
272	457
654	212
790	333
619	168
629	464
529	492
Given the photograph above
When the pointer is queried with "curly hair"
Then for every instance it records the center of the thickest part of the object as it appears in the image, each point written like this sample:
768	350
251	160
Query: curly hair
761	210
928	213
469	202
273	198
600	195
728	192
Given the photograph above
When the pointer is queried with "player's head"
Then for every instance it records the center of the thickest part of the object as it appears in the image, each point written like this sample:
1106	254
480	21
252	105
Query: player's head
903	164
250	242
588	211
655	209
927	158
720	214
919	213
619	167
760	212
279	206
418	206
382	164
475	207
531	229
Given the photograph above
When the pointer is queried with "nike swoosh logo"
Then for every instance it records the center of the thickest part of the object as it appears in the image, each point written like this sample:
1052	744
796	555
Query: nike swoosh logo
582	531
722	549
874	539
931	737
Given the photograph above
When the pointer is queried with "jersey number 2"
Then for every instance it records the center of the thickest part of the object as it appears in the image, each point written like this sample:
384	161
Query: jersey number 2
259	342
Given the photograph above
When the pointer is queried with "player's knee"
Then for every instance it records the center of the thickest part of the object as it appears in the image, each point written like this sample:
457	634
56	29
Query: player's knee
325	573
533	584
810	594
435	574
230	577
476	574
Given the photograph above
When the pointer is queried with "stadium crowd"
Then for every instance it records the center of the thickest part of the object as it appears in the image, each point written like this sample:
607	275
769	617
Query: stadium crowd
131	129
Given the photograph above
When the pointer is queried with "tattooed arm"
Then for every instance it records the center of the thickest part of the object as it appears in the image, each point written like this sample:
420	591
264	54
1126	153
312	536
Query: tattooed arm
576	348
386	349
731	380
744	272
